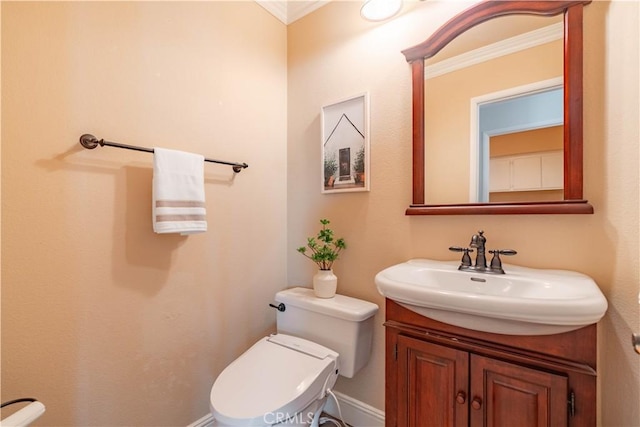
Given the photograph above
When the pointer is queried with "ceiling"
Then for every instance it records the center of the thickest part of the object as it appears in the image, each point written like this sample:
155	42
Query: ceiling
289	11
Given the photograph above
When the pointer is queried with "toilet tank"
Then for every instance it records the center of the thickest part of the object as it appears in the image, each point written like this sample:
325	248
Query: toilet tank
341	323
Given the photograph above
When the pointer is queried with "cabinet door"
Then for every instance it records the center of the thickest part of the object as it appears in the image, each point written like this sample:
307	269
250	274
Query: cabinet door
500	174
433	383
507	395
552	170
526	173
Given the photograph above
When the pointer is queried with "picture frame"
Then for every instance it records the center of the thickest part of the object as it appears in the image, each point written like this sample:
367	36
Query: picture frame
345	145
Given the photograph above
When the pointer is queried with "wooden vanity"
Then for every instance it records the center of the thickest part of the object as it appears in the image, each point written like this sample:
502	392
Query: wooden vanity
439	375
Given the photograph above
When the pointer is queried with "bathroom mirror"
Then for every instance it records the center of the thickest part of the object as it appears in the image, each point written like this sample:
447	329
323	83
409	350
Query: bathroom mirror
477	177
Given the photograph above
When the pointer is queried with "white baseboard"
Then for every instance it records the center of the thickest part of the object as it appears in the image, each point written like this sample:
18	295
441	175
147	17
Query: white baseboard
206	421
354	412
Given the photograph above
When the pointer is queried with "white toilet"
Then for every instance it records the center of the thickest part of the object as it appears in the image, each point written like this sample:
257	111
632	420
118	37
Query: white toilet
283	378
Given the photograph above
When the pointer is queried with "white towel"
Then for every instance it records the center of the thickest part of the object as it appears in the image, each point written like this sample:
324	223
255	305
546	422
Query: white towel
178	192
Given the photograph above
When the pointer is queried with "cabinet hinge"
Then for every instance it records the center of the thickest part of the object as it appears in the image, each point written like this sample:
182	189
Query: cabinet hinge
571	403
395	352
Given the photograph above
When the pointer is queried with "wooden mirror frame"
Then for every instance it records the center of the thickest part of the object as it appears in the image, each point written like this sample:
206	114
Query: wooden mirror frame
477	14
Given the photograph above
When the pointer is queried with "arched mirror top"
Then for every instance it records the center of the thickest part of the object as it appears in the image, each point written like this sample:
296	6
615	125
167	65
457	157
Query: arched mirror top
572	202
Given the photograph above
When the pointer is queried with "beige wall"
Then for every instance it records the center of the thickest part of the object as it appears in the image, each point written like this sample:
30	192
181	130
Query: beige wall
528	141
334	54
104	321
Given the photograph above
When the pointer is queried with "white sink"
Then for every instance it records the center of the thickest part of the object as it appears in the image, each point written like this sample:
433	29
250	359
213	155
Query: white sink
524	301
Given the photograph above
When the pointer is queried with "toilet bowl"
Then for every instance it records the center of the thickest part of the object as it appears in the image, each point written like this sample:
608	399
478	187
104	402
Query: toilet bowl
280	378
284	378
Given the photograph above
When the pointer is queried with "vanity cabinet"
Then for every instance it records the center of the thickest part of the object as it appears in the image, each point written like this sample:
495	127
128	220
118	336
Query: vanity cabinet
441	375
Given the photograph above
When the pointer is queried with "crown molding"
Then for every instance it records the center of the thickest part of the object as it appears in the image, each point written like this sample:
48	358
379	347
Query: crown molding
505	47
276	8
288	11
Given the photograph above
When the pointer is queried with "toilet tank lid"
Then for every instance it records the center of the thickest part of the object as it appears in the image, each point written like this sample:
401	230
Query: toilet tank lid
340	306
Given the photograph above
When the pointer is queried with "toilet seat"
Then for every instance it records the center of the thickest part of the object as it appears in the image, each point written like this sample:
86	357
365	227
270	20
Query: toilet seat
276	378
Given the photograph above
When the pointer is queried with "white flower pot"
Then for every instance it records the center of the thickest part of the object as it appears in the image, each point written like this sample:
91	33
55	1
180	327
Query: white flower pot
325	284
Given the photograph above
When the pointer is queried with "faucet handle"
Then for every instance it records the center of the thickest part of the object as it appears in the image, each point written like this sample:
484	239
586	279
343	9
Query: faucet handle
466	259
496	263
508	252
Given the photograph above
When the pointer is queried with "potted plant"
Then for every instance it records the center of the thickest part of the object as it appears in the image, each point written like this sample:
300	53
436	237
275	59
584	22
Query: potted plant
358	166
330	169
324	250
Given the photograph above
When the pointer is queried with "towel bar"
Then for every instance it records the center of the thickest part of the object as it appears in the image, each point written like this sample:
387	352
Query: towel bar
90	142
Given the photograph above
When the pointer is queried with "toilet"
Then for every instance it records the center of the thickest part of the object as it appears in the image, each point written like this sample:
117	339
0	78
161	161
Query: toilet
284	378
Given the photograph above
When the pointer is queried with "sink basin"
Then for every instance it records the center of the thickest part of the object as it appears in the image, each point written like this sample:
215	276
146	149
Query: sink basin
524	301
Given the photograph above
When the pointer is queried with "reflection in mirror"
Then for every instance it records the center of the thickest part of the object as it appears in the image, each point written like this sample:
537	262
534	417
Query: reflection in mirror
474	95
526	166
516	146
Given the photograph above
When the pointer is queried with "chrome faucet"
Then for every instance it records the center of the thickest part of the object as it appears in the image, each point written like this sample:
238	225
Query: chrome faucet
478	242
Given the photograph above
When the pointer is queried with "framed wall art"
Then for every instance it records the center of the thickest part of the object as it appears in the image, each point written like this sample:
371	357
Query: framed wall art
345	145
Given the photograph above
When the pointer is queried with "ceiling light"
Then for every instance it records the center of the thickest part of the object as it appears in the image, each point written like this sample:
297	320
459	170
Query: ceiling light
379	10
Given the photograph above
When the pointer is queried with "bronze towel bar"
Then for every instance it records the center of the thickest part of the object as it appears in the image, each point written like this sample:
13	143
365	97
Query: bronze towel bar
89	141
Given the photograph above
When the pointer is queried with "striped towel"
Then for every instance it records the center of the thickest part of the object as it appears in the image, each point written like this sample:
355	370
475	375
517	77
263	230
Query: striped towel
178	192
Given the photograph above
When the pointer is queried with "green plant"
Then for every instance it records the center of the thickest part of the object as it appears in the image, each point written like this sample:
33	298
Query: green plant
330	168
324	248
358	163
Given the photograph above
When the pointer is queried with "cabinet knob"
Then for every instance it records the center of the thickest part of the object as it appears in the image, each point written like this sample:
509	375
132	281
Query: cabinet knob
461	397
476	403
